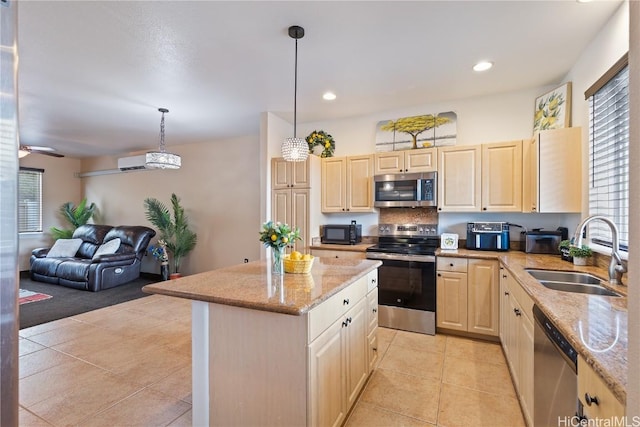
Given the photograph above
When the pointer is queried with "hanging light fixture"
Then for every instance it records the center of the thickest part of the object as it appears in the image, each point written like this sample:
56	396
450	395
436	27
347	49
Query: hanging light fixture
295	149
162	159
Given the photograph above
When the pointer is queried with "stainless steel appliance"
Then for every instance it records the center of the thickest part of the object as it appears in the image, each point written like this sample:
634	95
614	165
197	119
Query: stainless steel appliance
408	190
342	234
488	236
407	277
539	241
555	398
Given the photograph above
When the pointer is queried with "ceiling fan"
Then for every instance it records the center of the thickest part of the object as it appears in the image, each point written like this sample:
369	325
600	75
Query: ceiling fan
37	149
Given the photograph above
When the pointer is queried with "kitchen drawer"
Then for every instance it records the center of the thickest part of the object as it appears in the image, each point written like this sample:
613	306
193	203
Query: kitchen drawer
452	264
591	385
324	253
323	315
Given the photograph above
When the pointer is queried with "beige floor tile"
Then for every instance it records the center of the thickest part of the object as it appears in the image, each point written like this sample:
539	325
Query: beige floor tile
489	377
145	408
152	366
368	415
464	407
183	420
412	361
67	332
42	360
177	385
98	341
29	419
404	394
385	336
46	327
87	397
168	308
422	342
27	346
121	354
123	321
95	317
469	349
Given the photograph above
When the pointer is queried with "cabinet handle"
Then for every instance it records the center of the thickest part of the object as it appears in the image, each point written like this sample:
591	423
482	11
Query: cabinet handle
504	276
439	275
506	293
439	209
591	400
375	349
373	280
406	170
450	264
345	301
484	209
400	170
348	319
375	310
336	256
345	324
517	312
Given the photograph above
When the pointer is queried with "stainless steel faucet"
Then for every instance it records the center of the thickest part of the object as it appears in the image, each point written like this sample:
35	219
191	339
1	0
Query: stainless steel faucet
617	266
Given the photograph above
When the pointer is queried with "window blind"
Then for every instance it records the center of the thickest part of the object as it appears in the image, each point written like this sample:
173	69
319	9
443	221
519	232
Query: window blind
609	158
30	200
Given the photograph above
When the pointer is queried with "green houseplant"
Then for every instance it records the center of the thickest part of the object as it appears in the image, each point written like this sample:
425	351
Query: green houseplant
75	216
580	255
174	231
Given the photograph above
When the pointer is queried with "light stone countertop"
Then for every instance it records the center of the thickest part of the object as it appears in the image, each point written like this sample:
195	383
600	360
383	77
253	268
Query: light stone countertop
595	325
252	285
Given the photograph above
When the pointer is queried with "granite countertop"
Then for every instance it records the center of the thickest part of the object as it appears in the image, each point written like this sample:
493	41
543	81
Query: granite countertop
251	285
360	247
595	325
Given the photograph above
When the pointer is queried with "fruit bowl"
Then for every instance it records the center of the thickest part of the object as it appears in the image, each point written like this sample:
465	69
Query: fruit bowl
302	266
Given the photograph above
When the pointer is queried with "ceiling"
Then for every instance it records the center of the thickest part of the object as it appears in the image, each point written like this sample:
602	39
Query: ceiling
92	74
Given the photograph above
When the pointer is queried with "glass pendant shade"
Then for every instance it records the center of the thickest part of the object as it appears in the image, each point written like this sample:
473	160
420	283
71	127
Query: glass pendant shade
162	159
295	150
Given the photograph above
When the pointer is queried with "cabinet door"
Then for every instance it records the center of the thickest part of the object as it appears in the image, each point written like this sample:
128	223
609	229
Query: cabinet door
373	349
327	400
334	180
280	173
300	174
451	300
372	310
504	310
512	335
359	177
300	217
525	354
608	407
389	162
502	177
421	160
356	350
281	205
483	300
459	179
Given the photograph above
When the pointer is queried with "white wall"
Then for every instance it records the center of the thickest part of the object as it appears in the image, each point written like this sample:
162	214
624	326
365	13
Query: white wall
58	186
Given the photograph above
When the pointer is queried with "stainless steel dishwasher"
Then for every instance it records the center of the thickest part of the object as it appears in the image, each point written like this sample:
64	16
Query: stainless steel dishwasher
555	399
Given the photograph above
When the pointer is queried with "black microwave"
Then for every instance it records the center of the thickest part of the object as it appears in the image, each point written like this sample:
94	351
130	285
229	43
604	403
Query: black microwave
407	190
342	234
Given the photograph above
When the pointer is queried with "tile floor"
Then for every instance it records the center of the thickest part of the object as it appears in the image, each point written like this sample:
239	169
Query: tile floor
130	365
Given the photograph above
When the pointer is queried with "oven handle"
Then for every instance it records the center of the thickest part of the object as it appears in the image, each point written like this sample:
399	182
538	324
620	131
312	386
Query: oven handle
401	257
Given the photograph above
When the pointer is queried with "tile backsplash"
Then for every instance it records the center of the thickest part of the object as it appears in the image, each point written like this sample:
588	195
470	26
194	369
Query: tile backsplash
408	216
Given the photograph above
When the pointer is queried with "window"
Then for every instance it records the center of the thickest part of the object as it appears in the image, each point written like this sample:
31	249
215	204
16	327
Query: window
30	200
609	153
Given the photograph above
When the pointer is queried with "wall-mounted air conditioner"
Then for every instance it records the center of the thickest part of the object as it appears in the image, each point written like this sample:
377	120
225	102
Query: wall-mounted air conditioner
132	163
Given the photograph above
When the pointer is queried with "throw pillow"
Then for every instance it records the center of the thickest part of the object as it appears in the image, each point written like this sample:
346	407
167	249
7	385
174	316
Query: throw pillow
107	248
64	248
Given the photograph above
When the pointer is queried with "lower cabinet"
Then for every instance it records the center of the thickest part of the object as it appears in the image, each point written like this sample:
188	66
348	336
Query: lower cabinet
516	336
598	401
467	295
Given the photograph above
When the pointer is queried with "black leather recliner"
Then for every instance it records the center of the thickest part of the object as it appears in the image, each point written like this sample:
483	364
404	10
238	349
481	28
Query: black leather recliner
106	271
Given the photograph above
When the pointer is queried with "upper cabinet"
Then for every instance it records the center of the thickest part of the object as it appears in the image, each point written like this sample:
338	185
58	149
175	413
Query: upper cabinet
502	177
459	178
419	160
553	171
289	174
346	184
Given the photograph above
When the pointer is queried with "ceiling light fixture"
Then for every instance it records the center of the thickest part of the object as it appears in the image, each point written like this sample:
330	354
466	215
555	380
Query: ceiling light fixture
329	96
162	159
295	149
483	66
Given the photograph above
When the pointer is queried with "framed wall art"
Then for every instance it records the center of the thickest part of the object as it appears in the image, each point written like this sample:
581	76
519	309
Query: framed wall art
553	109
428	130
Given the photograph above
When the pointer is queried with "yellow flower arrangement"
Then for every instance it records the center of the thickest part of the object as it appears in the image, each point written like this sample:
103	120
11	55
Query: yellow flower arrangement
321	139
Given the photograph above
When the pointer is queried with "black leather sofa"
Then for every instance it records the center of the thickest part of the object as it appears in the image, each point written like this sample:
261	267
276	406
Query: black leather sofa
83	270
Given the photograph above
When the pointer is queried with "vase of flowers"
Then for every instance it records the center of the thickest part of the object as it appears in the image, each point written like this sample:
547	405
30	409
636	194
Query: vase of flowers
159	252
277	236
323	141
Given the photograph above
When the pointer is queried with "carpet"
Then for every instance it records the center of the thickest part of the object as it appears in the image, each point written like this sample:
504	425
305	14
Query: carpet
65	302
26	296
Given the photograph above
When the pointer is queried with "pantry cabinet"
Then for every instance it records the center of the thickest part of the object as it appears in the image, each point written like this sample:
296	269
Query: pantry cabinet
516	336
346	184
552	175
418	160
467	295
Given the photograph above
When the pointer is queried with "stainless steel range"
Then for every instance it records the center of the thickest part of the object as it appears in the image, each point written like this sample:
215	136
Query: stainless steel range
407	277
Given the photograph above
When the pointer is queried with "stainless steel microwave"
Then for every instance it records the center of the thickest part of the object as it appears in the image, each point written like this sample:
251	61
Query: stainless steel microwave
405	190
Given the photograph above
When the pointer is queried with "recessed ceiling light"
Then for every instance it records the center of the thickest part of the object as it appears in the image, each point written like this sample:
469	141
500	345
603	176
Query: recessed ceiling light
329	96
482	66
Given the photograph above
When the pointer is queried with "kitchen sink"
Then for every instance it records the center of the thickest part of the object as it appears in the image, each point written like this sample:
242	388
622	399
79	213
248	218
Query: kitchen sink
571	281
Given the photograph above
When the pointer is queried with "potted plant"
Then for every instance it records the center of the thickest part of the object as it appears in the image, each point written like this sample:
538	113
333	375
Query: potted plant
75	215
580	255
563	247
174	232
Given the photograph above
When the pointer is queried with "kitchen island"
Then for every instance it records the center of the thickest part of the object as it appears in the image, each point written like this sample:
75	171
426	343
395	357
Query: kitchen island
292	349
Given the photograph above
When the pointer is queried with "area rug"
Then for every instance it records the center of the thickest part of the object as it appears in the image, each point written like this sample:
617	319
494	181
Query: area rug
27	296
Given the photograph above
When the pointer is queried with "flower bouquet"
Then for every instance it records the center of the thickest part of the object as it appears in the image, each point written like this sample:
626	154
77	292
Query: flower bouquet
277	236
159	252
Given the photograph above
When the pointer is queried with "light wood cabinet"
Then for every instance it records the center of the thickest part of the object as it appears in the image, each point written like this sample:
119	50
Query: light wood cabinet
346	184
419	160
516	336
552	171
467	295
597	400
502	177
459	178
292	196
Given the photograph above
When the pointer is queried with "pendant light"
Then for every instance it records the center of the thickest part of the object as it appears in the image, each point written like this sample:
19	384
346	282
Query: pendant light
295	149
162	159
